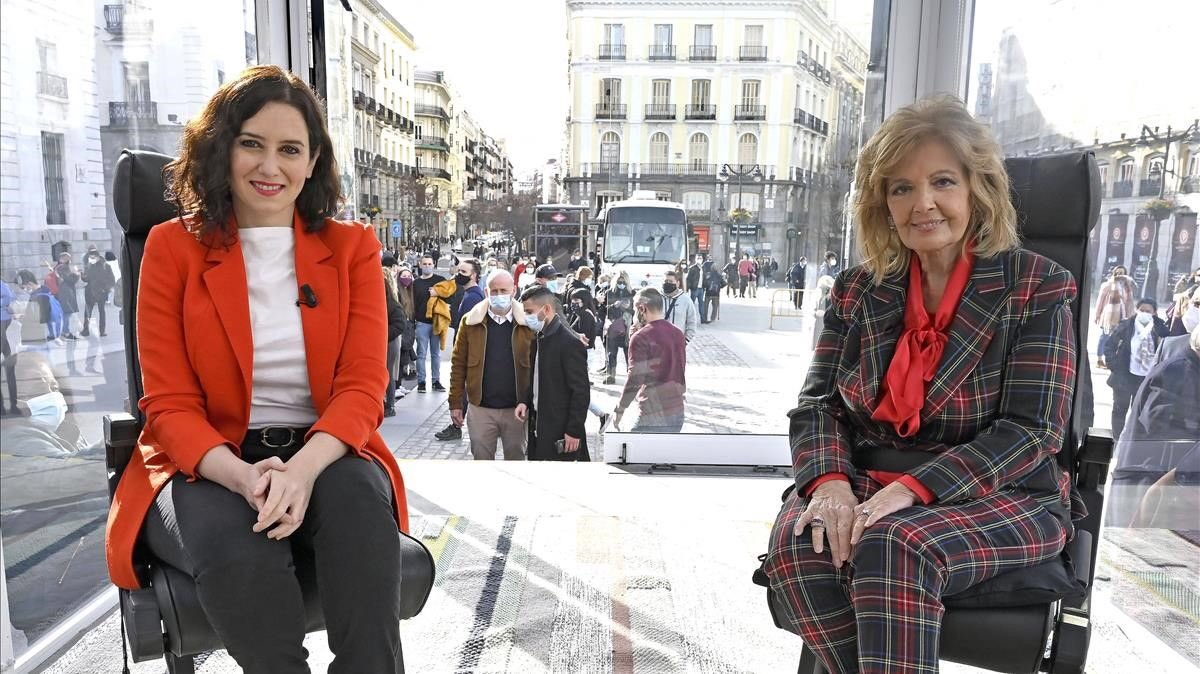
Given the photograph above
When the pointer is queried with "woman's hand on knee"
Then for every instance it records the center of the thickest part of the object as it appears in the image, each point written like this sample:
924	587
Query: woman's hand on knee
892	498
286	500
255	479
830	515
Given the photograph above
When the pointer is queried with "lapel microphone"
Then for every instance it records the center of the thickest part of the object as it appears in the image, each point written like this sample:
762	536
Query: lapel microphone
309	297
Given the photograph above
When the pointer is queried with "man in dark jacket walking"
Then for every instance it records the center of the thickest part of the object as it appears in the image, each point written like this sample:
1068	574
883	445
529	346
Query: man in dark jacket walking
797	276
557	401
695	282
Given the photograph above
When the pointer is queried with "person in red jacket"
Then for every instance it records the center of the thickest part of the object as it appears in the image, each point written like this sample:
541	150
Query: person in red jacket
262	334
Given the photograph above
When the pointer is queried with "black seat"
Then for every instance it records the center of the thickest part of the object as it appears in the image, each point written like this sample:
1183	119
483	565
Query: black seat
164	619
1005	623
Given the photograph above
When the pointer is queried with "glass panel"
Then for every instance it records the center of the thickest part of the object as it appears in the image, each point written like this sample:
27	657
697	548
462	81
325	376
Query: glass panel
82	81
704	35
700	89
662	34
754	36
1040	99
661	92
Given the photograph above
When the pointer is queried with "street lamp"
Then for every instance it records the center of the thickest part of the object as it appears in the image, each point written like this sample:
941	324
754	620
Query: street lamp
1160	213
741	173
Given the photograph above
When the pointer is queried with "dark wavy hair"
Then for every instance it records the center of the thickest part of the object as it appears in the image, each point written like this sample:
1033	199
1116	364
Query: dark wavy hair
198	181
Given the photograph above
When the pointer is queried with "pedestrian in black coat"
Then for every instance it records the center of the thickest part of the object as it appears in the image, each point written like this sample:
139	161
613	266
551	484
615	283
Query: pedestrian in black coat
557	403
1129	353
583	315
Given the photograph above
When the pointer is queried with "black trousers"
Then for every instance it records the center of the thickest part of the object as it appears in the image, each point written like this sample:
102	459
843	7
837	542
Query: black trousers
1123	394
98	303
247	583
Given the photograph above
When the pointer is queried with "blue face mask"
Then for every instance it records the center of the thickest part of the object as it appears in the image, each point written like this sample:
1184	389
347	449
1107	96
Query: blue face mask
553	286
48	410
500	303
534	323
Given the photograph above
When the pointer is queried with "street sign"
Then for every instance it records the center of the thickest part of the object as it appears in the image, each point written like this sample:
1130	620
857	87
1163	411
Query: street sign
397	229
744	230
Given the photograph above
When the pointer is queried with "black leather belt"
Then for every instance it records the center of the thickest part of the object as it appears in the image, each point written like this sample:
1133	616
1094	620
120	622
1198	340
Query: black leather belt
889	460
276	437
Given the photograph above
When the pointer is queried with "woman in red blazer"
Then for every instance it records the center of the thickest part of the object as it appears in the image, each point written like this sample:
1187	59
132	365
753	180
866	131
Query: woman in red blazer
924	438
261	333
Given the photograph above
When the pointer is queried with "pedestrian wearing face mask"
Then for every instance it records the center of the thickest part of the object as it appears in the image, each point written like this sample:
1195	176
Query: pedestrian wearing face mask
1188	318
680	311
408	337
428	304
490	369
829	267
547	275
1184	312
466	279
100	282
559	393
1130	353
582	315
41	426
618	302
1114	305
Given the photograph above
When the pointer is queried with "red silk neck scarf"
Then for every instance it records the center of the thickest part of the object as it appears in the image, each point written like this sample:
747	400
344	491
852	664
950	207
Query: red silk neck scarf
919	349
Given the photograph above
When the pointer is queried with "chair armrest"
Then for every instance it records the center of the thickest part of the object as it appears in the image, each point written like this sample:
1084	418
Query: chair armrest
1093	459
120	437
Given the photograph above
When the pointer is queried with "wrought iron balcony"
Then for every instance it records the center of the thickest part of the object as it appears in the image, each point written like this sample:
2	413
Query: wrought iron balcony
604	168
750	112
1150	187
752	53
433	143
1122	188
660	111
678	169
360	99
424	109
700	111
612	111
662	52
120	19
52	85
811	122
132	113
704	52
428	172
612	52
370	106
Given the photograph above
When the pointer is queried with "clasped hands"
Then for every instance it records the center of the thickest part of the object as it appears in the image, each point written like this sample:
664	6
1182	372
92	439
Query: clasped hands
280	493
834	513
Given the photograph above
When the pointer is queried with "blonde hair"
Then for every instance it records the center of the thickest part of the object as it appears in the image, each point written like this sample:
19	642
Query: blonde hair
389	281
993	223
583	273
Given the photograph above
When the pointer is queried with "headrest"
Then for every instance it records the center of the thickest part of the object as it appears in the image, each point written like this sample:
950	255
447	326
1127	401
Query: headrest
1056	196
140	173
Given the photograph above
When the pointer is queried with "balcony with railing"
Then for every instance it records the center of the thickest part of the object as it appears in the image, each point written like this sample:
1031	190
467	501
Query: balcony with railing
1150	187
612	111
678	169
752	52
604	168
427	110
49	84
360	99
371	106
813	66
750	112
811	122
122	19
700	111
612	52
660	111
1122	188
430	172
699	213
432	143
132	113
662	52
703	52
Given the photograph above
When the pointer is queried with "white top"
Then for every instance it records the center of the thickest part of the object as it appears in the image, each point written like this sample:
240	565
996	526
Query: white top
280	395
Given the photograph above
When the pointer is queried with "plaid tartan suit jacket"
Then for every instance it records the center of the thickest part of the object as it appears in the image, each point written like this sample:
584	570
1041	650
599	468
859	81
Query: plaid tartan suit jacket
997	409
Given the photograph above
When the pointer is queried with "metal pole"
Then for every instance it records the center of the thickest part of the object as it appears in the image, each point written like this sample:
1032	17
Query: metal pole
1150	289
737	248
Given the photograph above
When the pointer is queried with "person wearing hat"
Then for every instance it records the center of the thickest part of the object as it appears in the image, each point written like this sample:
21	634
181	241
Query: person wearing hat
1130	352
546	275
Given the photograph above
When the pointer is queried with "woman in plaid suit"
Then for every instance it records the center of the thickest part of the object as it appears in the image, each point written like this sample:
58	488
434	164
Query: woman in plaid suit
923	442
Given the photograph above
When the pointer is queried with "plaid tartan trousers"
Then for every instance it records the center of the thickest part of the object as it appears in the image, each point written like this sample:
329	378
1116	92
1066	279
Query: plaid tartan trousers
995	413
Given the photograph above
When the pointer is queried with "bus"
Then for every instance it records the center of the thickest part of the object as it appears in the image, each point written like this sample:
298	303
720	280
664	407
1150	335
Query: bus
644	237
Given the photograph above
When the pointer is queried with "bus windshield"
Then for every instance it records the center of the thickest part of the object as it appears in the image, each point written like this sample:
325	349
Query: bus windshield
643	234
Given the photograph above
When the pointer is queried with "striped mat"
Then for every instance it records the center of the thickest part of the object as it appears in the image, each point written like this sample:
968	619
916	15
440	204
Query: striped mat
579	593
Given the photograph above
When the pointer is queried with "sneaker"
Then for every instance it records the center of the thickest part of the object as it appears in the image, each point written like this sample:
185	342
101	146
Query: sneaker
604	419
437	386
84	333
389	411
450	432
610	380
421	387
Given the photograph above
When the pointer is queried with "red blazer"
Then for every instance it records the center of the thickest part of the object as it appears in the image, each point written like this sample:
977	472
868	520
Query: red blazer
196	351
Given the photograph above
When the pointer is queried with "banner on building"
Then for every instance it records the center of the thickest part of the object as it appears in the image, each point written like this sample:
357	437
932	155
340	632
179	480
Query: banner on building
1143	241
1183	243
1114	253
701	238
